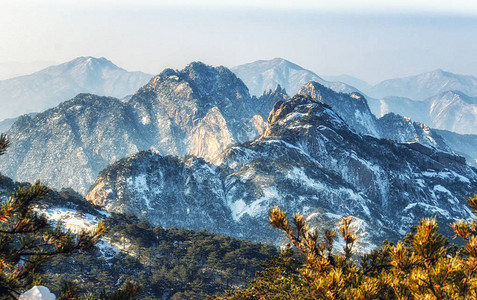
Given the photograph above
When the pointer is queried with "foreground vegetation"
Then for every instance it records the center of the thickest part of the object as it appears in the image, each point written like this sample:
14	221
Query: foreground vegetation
424	265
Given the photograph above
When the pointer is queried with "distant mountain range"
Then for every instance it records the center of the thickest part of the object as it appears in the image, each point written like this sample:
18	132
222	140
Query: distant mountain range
438	99
263	75
450	110
425	85
350	80
199	110
48	87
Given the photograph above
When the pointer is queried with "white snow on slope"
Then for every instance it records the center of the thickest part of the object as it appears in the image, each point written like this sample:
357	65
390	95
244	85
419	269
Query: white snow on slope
259	206
70	219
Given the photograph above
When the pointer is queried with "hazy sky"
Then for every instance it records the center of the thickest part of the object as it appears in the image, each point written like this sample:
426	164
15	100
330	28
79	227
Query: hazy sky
373	40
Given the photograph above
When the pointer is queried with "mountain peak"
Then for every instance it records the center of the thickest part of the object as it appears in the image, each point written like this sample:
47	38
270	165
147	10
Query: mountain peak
425	85
92	61
301	112
197	67
204	80
46	88
285	63
277	90
263	75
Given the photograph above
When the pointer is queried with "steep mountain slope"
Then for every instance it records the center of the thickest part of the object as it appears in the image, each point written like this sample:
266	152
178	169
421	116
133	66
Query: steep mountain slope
7	123
199	110
355	110
403	130
453	111
133	250
351	107
462	144
263	75
67	146
425	85
308	161
47	88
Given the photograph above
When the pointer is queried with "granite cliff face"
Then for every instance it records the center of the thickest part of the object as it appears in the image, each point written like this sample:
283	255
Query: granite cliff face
199	110
352	107
308	160
404	130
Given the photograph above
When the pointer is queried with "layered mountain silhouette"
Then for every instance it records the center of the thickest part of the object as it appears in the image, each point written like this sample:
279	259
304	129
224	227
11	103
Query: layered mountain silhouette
425	85
195	143
263	75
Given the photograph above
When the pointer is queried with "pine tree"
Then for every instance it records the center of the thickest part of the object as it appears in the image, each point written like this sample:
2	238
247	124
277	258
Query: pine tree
27	240
422	266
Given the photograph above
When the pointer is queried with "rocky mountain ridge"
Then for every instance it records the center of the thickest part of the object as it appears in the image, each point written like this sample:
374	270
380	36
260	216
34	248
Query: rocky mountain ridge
449	110
308	160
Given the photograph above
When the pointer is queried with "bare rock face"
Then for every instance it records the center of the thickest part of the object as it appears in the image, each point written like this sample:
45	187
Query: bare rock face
211	136
352	107
309	161
404	130
199	110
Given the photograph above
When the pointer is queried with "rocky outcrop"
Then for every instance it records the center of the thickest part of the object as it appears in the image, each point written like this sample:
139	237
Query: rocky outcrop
352	107
404	130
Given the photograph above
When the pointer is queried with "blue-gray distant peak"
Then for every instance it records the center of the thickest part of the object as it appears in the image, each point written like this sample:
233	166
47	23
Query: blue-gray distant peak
263	75
48	87
425	85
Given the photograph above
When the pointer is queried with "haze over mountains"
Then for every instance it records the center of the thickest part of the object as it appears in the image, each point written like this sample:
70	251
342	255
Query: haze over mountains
47	88
263	75
425	85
